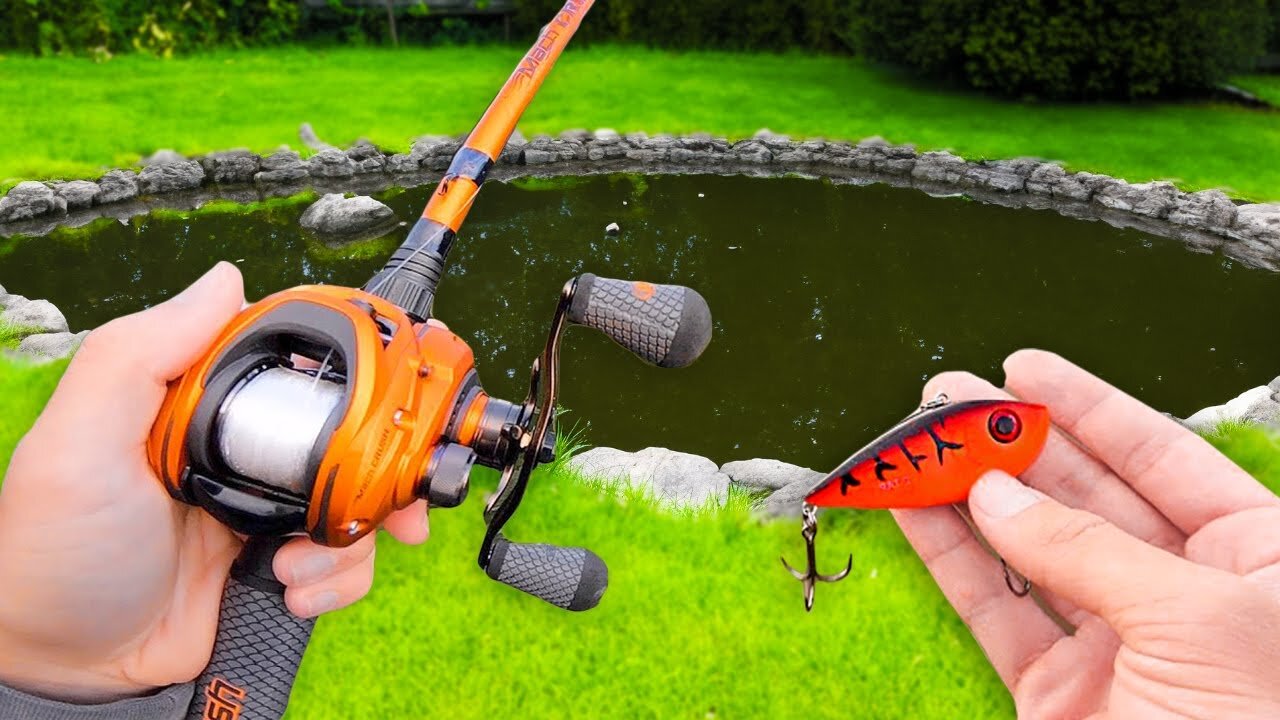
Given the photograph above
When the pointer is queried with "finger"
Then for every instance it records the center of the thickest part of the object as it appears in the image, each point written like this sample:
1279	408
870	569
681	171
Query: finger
437	323
411	525
1243	543
1070	475
333	592
1174	469
116	381
302	562
1012	631
1079	555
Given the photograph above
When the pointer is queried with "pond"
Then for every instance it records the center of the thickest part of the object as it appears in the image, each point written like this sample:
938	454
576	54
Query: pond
832	303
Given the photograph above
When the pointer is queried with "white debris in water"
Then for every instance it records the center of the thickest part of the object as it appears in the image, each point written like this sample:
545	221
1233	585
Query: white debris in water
613	229
702	194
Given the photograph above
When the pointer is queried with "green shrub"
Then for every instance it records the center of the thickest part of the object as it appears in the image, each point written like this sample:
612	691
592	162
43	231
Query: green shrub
720	24
1070	49
105	27
1273	40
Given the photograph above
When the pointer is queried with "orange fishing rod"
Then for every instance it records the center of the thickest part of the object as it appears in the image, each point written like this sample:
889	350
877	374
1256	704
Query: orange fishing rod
410	277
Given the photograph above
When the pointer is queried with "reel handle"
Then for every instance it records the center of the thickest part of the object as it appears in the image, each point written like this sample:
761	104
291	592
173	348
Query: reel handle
259	644
667	325
570	578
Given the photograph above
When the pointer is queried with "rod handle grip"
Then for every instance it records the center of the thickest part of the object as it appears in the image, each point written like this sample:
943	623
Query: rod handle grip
667	325
571	578
259	645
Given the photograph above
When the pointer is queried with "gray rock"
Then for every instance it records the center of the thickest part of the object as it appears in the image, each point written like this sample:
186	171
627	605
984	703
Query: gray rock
170	177
576	134
78	194
51	346
307	134
772	140
1259	406
753	151
942	167
366	158
1153	199
403	163
331	163
1258	222
335	215
761	474
282	166
1044	178
163	157
232	167
30	199
682	155
994	176
606	136
786	502
540	157
38	315
674	478
116	186
1208	210
795	156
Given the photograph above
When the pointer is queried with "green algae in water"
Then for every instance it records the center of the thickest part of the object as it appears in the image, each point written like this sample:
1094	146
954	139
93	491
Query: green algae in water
832	303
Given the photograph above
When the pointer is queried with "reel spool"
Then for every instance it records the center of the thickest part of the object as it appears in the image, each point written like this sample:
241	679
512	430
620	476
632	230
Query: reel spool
322	410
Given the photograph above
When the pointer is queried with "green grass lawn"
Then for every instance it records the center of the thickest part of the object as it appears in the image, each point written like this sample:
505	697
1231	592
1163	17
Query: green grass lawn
700	620
71	117
1266	87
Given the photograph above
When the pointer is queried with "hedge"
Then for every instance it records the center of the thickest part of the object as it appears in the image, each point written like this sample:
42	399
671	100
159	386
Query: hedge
1066	49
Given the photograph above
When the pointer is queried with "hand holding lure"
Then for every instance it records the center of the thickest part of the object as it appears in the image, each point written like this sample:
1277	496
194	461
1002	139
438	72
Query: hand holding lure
930	459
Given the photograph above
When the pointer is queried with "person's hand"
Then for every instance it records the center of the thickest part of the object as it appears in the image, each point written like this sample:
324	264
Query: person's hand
1162	552
108	587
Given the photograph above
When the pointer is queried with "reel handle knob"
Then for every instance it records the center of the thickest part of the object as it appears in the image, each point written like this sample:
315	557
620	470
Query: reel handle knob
571	578
667	325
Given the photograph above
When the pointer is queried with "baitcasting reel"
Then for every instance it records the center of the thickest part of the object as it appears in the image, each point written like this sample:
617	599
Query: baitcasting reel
325	409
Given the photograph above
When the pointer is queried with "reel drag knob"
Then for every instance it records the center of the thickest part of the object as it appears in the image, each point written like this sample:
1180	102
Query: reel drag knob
448	476
667	325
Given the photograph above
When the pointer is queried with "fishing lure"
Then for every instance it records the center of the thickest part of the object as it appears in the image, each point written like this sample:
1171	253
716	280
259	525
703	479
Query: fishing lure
930	459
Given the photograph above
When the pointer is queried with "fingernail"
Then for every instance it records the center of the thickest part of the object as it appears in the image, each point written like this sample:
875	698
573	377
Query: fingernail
313	567
322	603
998	494
426	525
196	290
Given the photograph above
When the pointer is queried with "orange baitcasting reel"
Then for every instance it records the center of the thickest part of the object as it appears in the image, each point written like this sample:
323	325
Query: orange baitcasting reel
321	410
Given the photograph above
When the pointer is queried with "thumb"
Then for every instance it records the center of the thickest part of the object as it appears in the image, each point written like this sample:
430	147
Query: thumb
1077	555
117	380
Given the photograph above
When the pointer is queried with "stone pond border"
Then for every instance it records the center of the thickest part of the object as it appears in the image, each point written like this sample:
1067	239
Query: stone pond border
1206	221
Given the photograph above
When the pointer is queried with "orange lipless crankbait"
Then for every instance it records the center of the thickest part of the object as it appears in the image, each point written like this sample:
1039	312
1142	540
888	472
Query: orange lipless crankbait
930	459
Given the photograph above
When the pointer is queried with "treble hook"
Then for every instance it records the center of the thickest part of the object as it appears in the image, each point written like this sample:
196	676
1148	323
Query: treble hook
1017	583
811	576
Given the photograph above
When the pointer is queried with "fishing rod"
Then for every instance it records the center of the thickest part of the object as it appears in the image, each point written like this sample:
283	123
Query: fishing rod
320	410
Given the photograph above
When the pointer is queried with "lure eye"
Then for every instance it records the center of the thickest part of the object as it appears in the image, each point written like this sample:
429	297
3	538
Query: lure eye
1005	426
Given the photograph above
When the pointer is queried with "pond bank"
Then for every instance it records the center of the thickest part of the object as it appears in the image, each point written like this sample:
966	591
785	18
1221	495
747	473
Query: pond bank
683	480
1207	220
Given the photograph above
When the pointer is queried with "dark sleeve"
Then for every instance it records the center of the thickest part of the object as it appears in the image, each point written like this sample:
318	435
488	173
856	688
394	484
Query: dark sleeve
168	704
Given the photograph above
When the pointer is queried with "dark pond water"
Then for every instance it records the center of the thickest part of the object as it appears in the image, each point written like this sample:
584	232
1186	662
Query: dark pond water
833	303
